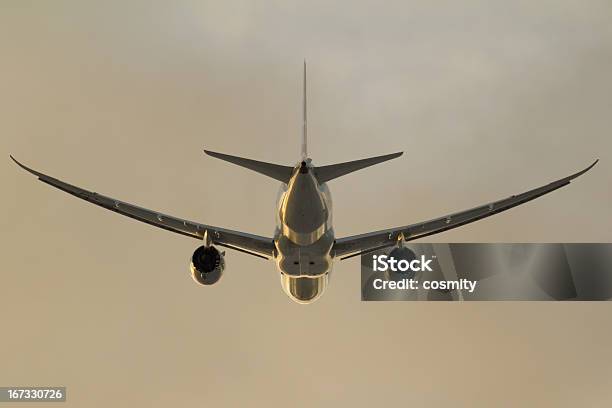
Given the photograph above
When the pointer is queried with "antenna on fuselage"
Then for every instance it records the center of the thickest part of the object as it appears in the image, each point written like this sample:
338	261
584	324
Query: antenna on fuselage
304	128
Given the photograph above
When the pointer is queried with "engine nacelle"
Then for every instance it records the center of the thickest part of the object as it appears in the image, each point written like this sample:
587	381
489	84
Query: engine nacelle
207	265
401	252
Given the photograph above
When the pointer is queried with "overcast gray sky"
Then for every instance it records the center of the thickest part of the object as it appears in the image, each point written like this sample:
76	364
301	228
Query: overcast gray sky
486	98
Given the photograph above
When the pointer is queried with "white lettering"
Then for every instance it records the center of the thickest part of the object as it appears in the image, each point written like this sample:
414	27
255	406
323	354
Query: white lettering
383	263
411	284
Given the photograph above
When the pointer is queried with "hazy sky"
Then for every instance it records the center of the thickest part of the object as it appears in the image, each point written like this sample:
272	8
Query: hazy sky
486	98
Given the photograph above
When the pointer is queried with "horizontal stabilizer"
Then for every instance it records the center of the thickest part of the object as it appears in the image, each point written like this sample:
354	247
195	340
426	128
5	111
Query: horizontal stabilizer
326	173
276	171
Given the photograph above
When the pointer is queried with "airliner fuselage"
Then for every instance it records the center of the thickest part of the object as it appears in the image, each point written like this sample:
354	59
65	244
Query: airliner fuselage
304	236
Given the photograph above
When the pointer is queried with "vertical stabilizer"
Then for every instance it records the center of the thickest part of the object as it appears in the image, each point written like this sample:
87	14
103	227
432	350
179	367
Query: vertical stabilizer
304	129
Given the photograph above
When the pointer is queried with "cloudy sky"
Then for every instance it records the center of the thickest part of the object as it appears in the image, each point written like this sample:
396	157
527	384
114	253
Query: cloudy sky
486	99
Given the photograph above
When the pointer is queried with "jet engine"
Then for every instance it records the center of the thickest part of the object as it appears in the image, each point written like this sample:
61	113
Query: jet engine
207	265
401	252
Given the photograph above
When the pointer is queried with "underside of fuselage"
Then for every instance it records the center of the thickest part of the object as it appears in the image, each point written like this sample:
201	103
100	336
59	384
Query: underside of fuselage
304	235
304	290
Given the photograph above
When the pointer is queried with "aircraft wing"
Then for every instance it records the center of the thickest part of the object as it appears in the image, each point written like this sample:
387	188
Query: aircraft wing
369	242
252	244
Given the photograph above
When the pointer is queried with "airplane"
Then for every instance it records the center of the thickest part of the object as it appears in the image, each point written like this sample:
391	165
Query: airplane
303	245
